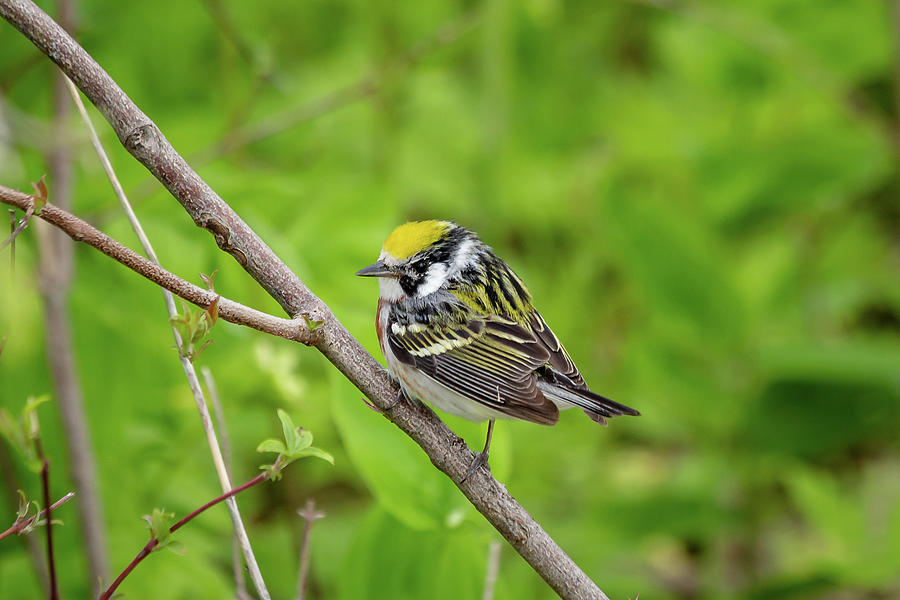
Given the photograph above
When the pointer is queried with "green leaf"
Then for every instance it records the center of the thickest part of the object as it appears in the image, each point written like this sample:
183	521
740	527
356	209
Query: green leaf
29	415
40	194
159	522
294	440
212	311
209	280
317	452
271	445
23	505
302	441
312	324
174	546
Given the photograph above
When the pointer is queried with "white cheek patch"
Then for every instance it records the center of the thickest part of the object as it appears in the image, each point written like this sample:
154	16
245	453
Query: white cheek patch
463	256
389	289
434	278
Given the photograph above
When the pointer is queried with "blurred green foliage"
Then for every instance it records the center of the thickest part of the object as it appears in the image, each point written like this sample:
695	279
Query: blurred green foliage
703	198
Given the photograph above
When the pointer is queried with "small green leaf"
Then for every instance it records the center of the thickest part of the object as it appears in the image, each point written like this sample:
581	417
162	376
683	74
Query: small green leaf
200	350
317	452
40	194
29	415
23	506
209	279
302	441
274	473
311	324
159	523
212	311
174	546
271	445
291	436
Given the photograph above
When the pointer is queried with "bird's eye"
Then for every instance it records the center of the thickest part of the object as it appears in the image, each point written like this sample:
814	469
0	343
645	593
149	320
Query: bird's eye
408	284
418	267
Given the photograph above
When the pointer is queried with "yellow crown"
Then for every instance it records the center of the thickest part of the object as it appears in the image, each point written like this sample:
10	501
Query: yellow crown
413	237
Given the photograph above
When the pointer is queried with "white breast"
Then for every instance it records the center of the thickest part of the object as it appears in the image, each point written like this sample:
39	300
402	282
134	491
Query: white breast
418	385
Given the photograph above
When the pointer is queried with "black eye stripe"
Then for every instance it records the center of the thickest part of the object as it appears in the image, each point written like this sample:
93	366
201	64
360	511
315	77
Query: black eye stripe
408	284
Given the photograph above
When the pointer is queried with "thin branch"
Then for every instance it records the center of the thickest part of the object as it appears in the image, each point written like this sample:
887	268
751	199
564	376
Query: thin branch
23	223
310	515
11	484
20	526
230	311
48	529
449	453
12	249
236	564
187	364
493	568
153	543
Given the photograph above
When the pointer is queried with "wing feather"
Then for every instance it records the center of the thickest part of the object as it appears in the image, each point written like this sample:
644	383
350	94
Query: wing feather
559	358
490	361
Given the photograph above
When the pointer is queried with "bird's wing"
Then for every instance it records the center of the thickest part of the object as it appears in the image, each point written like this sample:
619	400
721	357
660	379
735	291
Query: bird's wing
490	360
562	380
558	359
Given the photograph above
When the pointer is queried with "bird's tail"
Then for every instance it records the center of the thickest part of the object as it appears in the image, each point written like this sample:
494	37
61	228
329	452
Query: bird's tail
595	406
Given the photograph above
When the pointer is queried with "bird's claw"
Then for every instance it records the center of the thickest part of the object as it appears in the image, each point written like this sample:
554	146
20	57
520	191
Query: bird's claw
480	460
380	410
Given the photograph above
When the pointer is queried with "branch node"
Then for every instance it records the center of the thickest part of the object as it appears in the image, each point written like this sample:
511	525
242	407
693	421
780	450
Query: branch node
142	140
222	234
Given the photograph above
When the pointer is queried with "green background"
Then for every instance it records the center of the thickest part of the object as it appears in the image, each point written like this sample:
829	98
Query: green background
702	198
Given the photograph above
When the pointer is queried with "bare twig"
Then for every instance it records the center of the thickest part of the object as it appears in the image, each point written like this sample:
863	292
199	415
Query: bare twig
493	567
20	526
310	515
12	249
154	542
11	484
447	452
230	311
45	489
15	231
212	390
186	362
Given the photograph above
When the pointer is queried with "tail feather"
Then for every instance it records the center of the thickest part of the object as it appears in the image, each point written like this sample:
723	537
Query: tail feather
597	407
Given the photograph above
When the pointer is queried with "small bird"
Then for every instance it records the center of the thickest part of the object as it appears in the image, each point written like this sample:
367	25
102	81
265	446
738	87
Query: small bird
458	330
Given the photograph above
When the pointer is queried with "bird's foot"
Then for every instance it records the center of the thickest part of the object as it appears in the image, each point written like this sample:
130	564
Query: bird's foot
480	460
379	410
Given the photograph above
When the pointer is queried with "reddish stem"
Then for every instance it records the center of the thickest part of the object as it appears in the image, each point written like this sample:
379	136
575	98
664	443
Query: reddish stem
45	487
18	526
150	545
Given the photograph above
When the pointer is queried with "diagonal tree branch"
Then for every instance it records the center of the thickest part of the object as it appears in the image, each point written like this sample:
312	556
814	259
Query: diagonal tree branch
230	311
447	452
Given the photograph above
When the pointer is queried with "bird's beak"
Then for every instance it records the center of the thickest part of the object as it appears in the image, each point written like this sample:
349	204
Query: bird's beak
376	270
